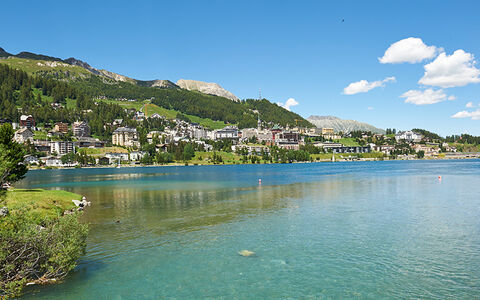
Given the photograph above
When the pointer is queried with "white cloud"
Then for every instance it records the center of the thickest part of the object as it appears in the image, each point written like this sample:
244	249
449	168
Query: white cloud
364	86
469	105
425	97
370	108
474	115
289	103
411	50
453	70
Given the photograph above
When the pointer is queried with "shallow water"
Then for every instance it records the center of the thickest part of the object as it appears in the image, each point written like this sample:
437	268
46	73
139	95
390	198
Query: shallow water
320	230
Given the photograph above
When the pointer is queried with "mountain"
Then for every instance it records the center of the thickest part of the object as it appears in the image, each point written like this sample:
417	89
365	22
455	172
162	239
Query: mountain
158	83
4	53
209	88
196	98
342	125
30	55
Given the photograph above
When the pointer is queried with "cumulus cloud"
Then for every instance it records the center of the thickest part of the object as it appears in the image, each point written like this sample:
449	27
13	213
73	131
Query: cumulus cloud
425	97
474	115
469	105
364	86
453	70
411	50
289	103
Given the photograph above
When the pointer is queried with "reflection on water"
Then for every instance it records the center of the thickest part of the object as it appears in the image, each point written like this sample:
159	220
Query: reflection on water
363	230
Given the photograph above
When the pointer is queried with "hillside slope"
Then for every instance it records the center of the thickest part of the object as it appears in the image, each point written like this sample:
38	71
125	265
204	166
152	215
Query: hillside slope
164	93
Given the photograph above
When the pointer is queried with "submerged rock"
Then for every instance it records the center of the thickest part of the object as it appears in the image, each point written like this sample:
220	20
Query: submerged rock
246	253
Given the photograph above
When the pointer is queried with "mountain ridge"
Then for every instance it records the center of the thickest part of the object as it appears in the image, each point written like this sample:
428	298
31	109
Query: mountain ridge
103	84
200	86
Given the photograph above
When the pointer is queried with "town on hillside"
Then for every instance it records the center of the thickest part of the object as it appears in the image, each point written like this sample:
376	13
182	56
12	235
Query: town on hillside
179	141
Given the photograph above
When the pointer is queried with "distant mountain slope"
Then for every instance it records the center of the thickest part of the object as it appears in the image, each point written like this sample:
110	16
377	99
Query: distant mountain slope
4	53
210	88
204	100
342	125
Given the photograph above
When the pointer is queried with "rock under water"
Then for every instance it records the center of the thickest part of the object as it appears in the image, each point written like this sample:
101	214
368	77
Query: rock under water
246	253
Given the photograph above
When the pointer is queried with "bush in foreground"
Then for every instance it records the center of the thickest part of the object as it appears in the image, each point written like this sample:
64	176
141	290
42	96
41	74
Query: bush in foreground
33	253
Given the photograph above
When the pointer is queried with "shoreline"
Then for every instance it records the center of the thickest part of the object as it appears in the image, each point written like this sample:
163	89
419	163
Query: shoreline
235	164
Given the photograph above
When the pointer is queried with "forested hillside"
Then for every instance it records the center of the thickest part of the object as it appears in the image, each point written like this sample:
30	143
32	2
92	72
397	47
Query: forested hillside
34	95
76	80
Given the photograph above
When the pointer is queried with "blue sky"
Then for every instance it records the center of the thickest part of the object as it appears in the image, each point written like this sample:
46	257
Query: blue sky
289	49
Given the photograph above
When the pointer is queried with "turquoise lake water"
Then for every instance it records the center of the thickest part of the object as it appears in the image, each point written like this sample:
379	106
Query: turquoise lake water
319	230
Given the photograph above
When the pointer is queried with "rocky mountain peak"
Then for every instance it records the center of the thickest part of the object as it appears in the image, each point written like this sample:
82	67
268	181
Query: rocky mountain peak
210	88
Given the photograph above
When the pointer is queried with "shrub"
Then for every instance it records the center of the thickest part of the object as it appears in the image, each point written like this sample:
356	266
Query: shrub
31	252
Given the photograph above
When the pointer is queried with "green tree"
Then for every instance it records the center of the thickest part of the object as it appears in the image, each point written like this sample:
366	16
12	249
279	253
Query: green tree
188	152
11	156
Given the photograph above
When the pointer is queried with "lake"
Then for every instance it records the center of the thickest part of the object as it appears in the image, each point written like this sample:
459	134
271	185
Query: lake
388	229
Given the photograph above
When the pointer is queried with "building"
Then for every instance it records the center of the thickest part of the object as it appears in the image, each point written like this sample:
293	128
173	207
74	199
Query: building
81	129
53	162
61	127
408	136
156	116
137	155
89	142
427	149
117	157
31	160
62	147
346	149
139	116
228	132
125	136
42	146
262	135
117	122
327	131
23	135
198	132
387	149
27	121
289	140
251	149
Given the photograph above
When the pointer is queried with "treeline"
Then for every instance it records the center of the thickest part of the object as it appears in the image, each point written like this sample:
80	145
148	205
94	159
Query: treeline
194	103
428	134
464	139
274	114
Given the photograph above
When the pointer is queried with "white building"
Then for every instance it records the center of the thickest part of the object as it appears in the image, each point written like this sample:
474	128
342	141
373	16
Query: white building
116	157
137	155
408	136
53	162
62	147
228	132
251	149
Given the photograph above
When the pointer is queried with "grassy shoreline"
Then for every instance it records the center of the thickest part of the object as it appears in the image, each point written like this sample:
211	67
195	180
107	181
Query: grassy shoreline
43	204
